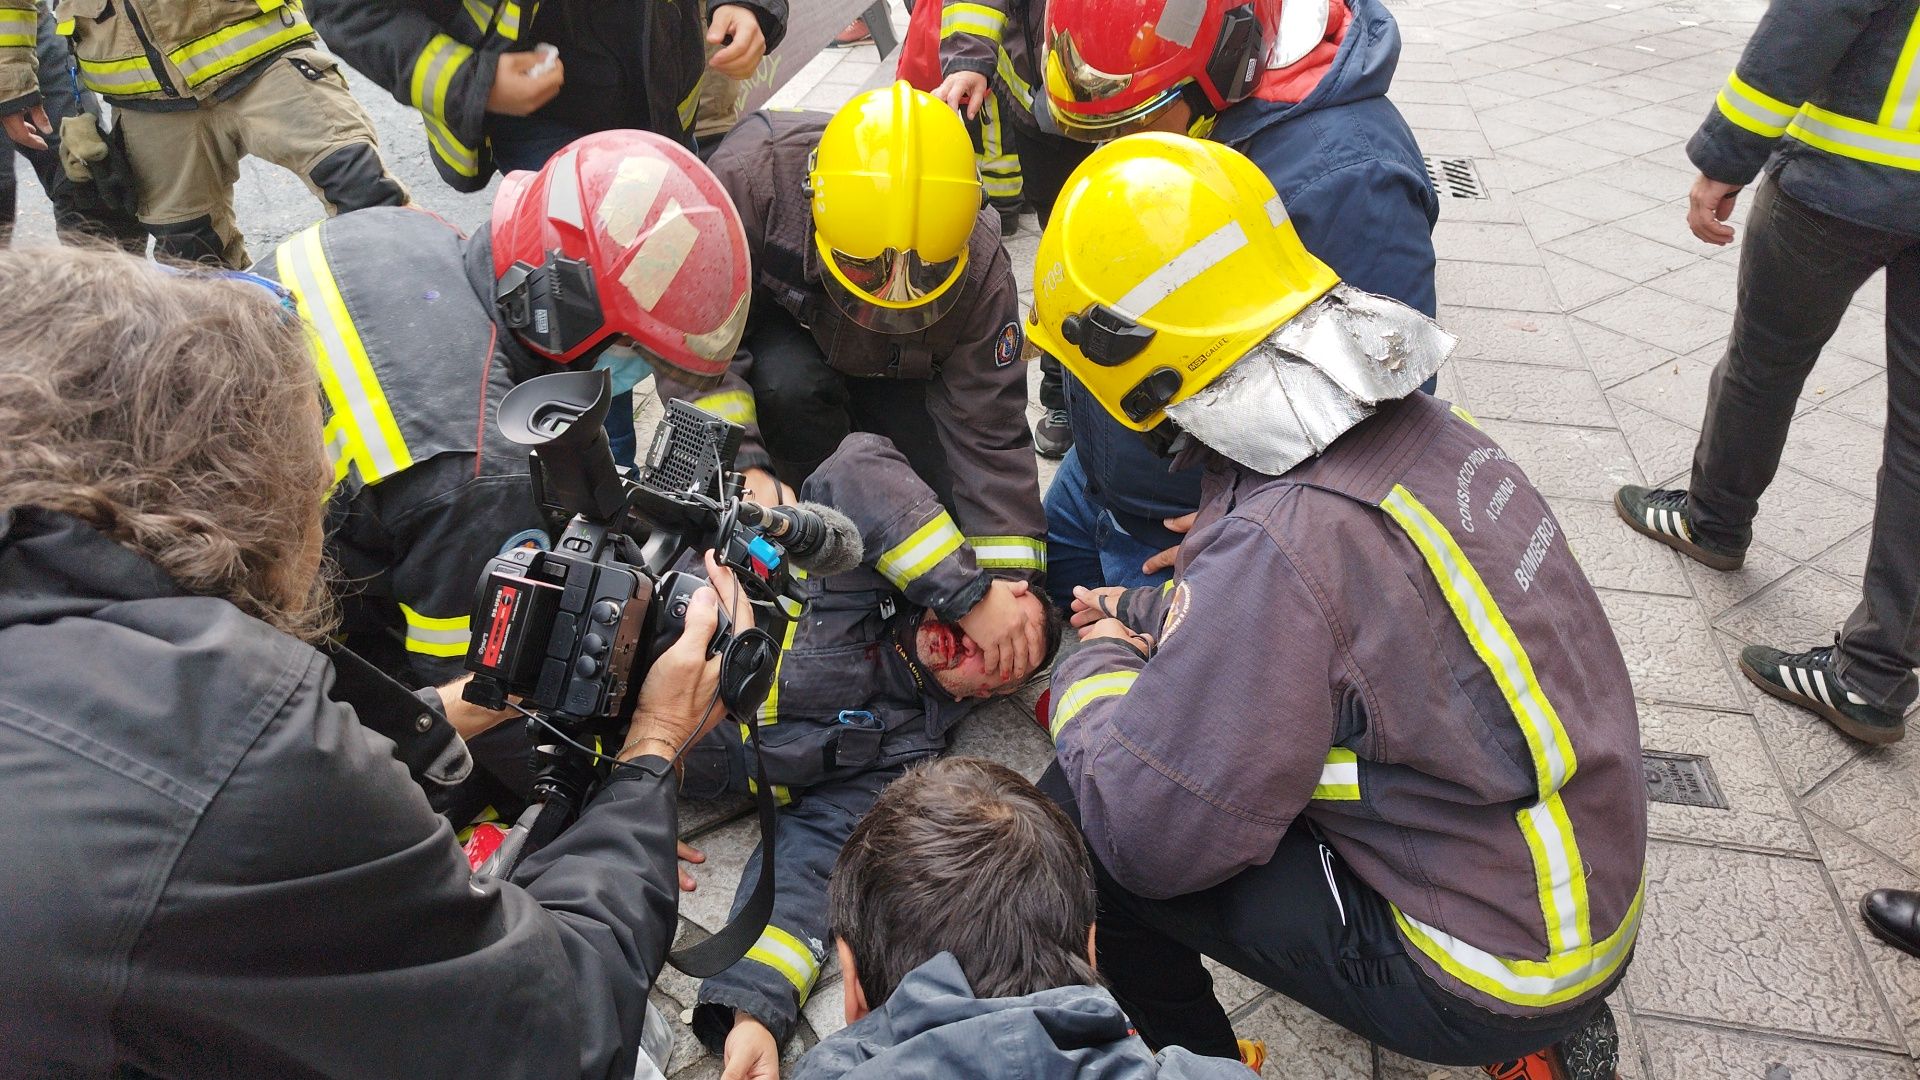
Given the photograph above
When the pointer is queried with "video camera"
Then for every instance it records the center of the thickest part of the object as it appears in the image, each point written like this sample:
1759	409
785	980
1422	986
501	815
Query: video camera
572	632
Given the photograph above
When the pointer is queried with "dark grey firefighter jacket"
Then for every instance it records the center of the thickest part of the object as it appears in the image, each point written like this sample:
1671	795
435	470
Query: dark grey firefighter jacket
214	870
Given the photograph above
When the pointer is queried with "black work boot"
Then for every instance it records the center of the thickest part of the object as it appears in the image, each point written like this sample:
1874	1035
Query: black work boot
1592	1053
1894	917
1813	681
1662	514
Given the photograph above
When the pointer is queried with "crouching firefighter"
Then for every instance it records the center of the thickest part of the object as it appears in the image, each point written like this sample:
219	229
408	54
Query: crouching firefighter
1374	746
622	253
872	678
883	302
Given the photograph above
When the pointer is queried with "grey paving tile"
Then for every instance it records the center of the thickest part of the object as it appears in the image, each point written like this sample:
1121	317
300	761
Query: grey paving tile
1004	731
1703	281
826	1007
1806	748
1586	463
1515	85
1541	395
1804	517
1423	116
1848	386
1495	56
1548	223
1589	198
1848	559
1680	1050
1669	651
1876	800
1678	122
1474	241
1514	337
1615	357
1720	590
1856	871
1663	447
1300	1042
1407	92
1590	100
1759	814
1620	58
1653	90
1231	988
1488	97
1862	333
1493	285
1513	174
699	815
1643	177
727	849
1676	390
1577	72
1578	284
1801	610
1614	556
1666	223
1621	137
1837	449
1752	940
1560	152
1458	143
1550	43
1666	321
1621	253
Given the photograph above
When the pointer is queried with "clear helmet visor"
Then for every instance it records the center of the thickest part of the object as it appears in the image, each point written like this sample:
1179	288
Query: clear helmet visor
893	292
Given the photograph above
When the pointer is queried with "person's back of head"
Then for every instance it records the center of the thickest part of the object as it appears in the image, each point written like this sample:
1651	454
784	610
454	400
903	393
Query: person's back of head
967	857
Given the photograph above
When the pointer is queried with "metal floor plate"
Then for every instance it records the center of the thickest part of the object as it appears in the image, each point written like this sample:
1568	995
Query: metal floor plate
1681	779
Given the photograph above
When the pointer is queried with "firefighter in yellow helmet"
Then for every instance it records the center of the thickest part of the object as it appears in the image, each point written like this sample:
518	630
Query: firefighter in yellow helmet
1375	744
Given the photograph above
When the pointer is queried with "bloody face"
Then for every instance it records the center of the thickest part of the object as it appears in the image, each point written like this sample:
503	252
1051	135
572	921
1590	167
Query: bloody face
956	661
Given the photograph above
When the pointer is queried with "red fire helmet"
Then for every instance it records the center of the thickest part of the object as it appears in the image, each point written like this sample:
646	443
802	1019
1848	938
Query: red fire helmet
1113	66
622	236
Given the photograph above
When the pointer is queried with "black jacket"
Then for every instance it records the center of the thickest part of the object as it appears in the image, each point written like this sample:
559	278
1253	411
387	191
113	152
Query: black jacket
217	871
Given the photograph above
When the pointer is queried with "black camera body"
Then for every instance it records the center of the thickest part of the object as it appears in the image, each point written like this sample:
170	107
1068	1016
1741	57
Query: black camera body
573	631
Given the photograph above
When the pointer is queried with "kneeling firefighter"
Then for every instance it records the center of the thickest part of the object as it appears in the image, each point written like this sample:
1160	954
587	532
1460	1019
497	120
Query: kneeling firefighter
621	253
1375	745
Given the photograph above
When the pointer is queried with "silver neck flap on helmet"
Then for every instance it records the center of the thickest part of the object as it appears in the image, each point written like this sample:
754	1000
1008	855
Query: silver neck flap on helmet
1316	376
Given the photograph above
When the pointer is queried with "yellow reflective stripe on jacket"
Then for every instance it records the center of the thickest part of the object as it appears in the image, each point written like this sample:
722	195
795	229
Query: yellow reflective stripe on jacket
734	405
1559	873
906	561
17	28
770	708
237	45
1339	777
337	440
689	106
1902	106
510	20
1857	139
480	11
787	955
373	443
1465	415
976	19
1009	553
132	75
437	637
433	70
1085	692
1533	983
446	146
1753	110
1022	92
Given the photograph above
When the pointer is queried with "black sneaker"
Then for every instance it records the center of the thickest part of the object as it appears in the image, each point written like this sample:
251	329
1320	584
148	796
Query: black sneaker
1662	514
1009	218
1810	680
1052	437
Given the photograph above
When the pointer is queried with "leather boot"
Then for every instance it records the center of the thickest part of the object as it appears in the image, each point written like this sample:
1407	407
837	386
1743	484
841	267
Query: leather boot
1894	917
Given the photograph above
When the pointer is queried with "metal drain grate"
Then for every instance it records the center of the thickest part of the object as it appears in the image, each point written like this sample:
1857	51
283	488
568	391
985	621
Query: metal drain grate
1455	177
1681	779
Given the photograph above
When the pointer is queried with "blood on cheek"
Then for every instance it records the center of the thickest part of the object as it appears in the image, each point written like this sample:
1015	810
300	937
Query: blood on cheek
939	646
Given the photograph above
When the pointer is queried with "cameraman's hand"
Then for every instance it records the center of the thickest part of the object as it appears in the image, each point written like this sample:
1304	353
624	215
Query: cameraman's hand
680	700
1114	628
1182	525
689	853
1009	642
1092	605
751	1053
516	90
765	489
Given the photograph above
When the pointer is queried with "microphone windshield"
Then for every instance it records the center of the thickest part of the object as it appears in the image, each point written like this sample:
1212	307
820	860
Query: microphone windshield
839	549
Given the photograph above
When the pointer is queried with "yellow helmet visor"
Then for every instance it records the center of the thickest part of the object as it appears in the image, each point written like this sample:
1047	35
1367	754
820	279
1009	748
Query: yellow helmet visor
894	292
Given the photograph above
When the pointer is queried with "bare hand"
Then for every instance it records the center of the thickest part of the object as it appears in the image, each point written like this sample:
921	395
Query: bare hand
1114	628
1182	525
1709	204
1010	643
750	1053
516	90
679	703
965	91
764	489
27	126
1092	605
745	44
689	853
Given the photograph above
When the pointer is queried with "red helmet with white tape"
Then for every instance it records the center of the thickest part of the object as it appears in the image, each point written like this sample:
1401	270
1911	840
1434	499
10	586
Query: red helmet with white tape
622	236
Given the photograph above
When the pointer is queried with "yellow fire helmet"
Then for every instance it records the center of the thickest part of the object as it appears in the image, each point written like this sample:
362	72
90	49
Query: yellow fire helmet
895	196
1165	260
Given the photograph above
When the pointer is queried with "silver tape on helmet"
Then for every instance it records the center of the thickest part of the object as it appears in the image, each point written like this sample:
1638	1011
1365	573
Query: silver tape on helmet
1313	379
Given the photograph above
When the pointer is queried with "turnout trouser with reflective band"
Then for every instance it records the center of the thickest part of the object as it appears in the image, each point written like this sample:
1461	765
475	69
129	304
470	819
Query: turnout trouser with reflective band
1303	924
772	982
999	161
1799	271
1576	963
297	114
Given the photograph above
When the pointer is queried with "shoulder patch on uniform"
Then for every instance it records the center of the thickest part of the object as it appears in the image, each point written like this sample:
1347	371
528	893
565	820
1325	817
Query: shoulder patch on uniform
533	538
1006	348
1176	611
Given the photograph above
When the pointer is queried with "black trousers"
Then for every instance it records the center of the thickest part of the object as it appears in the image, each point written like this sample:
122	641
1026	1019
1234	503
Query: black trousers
807	408
1799	269
1285	926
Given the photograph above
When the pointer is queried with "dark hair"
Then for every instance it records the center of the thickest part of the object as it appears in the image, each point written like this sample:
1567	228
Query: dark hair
962	855
1056	631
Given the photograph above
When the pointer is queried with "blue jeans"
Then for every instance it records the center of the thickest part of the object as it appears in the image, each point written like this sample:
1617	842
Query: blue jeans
525	143
1085	546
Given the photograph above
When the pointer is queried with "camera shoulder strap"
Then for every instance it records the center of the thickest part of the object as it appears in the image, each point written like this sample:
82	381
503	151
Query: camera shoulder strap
721	951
